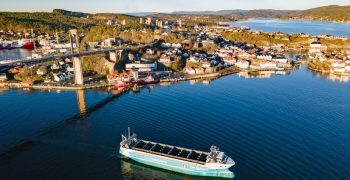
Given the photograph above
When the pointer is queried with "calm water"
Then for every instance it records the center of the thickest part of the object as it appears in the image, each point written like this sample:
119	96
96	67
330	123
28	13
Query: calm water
6	54
286	127
297	26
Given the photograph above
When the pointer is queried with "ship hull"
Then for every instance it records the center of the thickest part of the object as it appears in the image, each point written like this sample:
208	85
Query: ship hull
142	82
121	85
174	164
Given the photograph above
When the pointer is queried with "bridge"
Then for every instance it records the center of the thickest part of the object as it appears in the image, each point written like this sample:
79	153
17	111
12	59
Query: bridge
78	73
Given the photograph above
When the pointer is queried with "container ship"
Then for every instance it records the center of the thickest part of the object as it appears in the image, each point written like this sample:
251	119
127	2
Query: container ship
182	160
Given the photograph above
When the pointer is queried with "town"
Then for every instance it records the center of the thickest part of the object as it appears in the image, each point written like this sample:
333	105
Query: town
179	52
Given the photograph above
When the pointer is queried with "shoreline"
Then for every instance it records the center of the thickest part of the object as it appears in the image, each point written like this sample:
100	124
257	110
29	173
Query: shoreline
224	72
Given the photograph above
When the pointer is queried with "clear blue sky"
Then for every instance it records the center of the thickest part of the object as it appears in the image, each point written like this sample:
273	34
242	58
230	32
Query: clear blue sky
116	6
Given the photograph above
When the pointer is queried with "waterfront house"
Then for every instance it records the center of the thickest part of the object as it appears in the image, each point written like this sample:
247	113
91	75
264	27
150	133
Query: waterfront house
190	70
338	70
243	64
280	59
268	65
3	77
264	57
229	60
27	83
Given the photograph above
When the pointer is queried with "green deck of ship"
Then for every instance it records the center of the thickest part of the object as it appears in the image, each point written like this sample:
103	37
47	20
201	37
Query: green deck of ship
184	154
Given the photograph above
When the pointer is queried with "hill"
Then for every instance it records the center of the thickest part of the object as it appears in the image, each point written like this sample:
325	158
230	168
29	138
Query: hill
58	19
325	13
193	19
242	14
43	21
69	13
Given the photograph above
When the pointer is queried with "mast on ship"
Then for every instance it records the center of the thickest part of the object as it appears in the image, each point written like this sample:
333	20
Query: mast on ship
128	140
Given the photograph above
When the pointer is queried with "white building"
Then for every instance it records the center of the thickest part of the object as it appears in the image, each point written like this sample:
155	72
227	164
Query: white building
229	60
165	59
243	64
316	47
280	59
264	57
59	77
142	67
190	71
3	77
268	65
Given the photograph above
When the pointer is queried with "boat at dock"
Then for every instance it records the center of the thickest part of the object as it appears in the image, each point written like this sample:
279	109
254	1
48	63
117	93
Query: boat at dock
121	84
279	69
148	80
173	158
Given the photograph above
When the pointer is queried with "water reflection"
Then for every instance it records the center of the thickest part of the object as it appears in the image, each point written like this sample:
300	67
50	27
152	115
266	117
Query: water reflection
134	170
205	81
261	74
81	102
14	54
332	77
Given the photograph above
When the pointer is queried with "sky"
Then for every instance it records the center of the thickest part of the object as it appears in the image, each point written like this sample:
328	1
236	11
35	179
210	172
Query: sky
123	6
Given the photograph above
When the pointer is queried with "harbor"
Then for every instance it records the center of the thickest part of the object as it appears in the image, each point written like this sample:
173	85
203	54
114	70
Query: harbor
55	132
107	92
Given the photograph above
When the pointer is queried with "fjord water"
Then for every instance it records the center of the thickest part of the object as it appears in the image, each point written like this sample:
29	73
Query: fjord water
12	54
295	126
297	26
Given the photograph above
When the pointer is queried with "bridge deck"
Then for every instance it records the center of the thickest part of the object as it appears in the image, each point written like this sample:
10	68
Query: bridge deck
62	56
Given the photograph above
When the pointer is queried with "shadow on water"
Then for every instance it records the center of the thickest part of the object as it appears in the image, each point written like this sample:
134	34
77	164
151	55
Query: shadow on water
80	116
134	170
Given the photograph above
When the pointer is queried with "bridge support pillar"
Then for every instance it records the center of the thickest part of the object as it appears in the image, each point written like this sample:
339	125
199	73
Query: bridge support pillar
78	73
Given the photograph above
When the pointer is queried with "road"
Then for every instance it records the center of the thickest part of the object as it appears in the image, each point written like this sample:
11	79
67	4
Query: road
63	56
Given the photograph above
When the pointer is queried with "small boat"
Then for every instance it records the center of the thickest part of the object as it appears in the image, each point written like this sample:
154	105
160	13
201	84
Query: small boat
148	80
173	158
279	69
120	84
